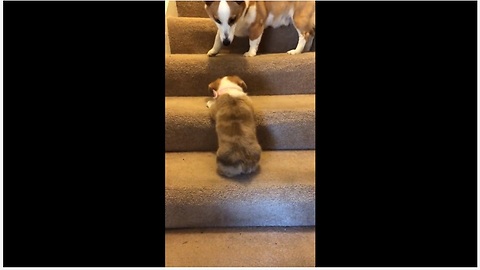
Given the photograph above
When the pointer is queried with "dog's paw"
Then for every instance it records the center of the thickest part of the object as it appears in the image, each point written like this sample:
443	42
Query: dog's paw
212	52
293	52
249	54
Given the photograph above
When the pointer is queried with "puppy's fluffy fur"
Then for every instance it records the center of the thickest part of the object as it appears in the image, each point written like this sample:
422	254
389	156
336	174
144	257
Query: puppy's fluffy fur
238	149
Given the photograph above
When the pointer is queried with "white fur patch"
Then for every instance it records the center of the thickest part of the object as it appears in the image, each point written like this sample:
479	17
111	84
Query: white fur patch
282	20
224	12
300	45
235	93
228	87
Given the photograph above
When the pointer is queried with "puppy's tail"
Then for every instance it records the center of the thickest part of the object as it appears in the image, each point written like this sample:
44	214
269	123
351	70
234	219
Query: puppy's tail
232	163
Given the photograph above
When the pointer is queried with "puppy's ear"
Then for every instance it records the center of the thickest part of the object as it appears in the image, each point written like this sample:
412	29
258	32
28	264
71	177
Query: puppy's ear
239	82
242	84
212	87
208	3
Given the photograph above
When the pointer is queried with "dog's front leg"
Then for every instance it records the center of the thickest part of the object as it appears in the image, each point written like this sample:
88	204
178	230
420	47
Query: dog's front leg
217	45
256	32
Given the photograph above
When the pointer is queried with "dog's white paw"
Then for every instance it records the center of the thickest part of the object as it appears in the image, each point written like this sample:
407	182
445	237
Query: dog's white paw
210	103
249	54
293	52
212	52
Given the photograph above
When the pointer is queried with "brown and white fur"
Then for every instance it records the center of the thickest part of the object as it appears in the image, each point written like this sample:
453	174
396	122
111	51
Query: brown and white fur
250	18
238	149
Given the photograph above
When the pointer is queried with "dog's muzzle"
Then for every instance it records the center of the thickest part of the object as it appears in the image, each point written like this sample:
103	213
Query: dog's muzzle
226	42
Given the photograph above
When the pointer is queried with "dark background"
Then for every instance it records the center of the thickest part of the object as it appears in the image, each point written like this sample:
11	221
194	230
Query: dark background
396	146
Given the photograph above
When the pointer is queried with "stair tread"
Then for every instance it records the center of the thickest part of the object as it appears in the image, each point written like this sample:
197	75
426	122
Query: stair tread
281	193
280	169
277	103
265	74
283	122
236	247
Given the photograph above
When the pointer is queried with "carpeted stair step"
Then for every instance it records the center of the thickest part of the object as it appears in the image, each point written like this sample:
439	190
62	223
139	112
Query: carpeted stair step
268	74
241	247
284	122
191	9
281	193
196	36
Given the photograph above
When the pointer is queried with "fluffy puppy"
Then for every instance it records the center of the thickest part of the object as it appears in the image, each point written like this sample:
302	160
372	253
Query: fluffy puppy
232	110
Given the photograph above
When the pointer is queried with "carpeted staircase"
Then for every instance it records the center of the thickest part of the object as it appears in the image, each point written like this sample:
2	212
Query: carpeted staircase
264	219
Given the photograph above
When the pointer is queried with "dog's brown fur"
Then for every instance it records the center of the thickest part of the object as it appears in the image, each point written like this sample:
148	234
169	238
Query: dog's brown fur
301	18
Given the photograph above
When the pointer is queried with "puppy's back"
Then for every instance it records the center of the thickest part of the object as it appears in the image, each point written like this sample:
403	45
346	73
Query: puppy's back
239	151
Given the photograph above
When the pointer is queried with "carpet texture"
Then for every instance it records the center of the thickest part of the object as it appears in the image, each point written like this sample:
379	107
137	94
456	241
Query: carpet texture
235	247
269	74
281	193
266	219
284	122
191	9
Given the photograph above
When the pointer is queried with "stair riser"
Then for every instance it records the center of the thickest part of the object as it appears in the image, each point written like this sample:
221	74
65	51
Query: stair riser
189	75
272	135
191	9
238	210
197	35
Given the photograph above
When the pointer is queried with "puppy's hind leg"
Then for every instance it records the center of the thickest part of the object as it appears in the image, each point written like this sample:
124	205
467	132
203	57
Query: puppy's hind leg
217	45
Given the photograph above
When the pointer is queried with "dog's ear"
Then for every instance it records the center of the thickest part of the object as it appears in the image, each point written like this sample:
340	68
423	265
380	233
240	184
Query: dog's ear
208	3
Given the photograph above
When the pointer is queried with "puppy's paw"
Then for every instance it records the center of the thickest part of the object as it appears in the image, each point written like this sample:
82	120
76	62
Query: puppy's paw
212	52
210	103
249	54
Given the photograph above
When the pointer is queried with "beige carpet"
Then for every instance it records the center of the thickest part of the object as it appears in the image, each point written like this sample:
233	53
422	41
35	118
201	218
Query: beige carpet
235	247
281	193
284	122
191	9
269	74
215	221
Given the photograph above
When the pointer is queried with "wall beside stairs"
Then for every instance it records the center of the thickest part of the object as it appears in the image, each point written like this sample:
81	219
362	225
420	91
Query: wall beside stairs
170	11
